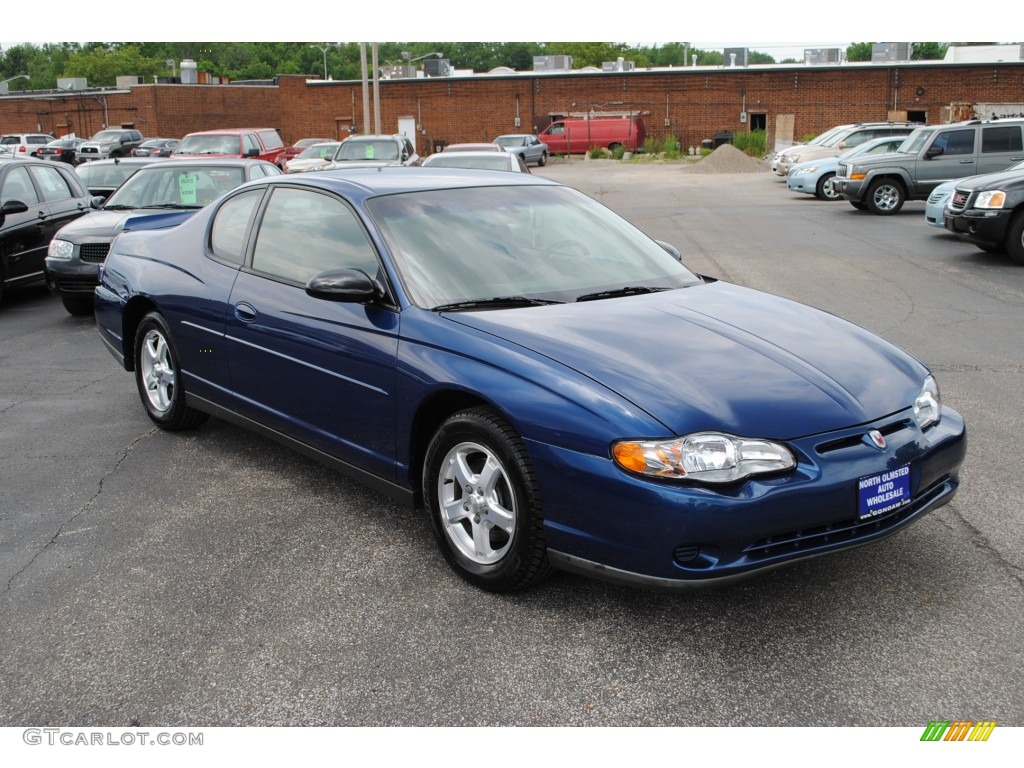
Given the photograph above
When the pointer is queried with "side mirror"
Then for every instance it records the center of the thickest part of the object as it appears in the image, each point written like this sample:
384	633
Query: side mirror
96	201
252	152
352	286
933	151
13	206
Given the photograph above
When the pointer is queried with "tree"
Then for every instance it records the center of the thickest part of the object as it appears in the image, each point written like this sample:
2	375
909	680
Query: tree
928	51
859	52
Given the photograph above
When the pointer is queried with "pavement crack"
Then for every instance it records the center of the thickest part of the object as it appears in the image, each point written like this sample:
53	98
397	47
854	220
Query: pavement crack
84	508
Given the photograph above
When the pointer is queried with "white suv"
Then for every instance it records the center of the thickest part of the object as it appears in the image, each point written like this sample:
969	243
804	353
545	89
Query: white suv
25	144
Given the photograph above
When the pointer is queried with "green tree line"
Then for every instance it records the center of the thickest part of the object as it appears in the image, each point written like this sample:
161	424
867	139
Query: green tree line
102	63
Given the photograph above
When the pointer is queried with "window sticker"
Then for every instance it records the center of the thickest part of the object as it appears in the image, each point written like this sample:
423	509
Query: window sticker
369	151
188	185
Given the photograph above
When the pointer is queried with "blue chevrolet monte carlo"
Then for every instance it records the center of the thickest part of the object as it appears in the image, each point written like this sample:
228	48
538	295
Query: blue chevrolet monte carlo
555	388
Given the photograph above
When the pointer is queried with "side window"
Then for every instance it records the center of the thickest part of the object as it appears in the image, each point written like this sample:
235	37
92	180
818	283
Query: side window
230	225
1005	138
52	184
249	142
18	186
956	142
557	128
859	137
304	233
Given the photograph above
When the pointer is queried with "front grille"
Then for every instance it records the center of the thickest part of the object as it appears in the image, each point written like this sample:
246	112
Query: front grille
88	150
843	170
858	438
845	532
959	200
94	252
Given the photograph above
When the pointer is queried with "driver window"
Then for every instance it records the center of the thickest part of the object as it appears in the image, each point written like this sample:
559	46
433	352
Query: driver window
18	186
304	233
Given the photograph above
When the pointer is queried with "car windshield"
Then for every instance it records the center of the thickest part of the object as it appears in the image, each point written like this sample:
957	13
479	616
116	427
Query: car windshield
369	150
163	186
104	175
916	140
318	152
510	141
209	144
529	242
107	136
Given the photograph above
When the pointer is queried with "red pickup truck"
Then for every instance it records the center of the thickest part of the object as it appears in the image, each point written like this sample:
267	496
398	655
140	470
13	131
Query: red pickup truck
261	143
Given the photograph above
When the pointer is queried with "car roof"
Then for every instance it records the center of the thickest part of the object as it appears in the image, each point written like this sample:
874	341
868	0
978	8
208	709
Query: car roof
473	153
362	183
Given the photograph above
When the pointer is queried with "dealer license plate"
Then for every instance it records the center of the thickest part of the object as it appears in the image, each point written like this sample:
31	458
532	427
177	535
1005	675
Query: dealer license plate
884	492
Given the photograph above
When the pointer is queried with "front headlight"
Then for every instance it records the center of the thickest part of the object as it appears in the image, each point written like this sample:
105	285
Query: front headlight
802	171
928	404
993	199
61	250
709	457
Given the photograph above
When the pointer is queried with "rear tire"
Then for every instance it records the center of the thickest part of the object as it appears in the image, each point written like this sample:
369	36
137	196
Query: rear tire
158	377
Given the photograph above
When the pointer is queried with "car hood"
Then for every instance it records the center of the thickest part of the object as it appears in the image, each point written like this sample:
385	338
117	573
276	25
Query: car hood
100	225
720	357
307	165
991	180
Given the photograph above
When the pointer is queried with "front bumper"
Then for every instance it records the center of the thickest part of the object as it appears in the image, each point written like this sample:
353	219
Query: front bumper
611	525
78	276
849	189
979	226
804	182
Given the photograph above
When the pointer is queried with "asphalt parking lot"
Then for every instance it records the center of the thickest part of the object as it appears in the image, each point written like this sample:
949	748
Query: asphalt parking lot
214	578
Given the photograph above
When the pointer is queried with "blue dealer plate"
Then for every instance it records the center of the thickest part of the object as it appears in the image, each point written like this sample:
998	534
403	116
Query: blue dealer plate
884	492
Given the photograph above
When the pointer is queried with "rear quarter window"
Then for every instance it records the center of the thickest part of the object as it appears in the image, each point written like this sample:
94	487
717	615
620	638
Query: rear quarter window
1004	138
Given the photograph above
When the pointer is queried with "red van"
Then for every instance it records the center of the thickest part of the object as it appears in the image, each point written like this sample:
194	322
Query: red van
577	135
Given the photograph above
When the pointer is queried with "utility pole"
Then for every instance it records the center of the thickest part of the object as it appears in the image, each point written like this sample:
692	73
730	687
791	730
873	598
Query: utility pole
376	91
366	90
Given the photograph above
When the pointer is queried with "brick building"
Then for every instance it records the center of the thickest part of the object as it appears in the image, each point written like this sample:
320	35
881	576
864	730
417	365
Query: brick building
691	104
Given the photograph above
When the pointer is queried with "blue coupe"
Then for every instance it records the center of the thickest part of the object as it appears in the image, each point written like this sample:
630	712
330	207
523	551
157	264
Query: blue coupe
555	388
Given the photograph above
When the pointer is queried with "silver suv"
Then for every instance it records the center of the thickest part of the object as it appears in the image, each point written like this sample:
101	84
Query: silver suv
841	140
928	157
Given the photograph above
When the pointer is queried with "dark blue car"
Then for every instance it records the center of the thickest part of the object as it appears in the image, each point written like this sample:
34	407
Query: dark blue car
554	387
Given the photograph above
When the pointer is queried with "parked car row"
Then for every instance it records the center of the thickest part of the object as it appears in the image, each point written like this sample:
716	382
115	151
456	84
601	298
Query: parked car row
970	173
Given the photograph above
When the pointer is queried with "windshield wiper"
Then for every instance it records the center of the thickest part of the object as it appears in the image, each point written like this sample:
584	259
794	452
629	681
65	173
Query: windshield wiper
173	206
629	290
497	301
118	207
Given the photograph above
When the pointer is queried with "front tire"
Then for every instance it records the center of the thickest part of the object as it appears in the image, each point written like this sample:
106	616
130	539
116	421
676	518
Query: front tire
826	189
1015	238
885	197
543	159
77	305
158	377
483	500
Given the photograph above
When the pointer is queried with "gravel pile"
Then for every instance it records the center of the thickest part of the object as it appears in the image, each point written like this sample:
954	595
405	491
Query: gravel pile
728	159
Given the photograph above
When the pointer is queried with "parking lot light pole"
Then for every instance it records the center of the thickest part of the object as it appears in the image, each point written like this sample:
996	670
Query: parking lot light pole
325	48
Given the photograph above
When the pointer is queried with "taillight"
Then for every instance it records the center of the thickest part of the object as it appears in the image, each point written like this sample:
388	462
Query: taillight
23	149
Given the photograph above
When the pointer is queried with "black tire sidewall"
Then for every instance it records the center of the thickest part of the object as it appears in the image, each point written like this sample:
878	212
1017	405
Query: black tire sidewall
521	566
179	416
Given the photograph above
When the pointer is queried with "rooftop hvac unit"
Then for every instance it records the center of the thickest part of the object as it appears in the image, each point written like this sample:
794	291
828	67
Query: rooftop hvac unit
397	72
619	65
559	63
71	84
882	53
127	81
437	68
823	55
